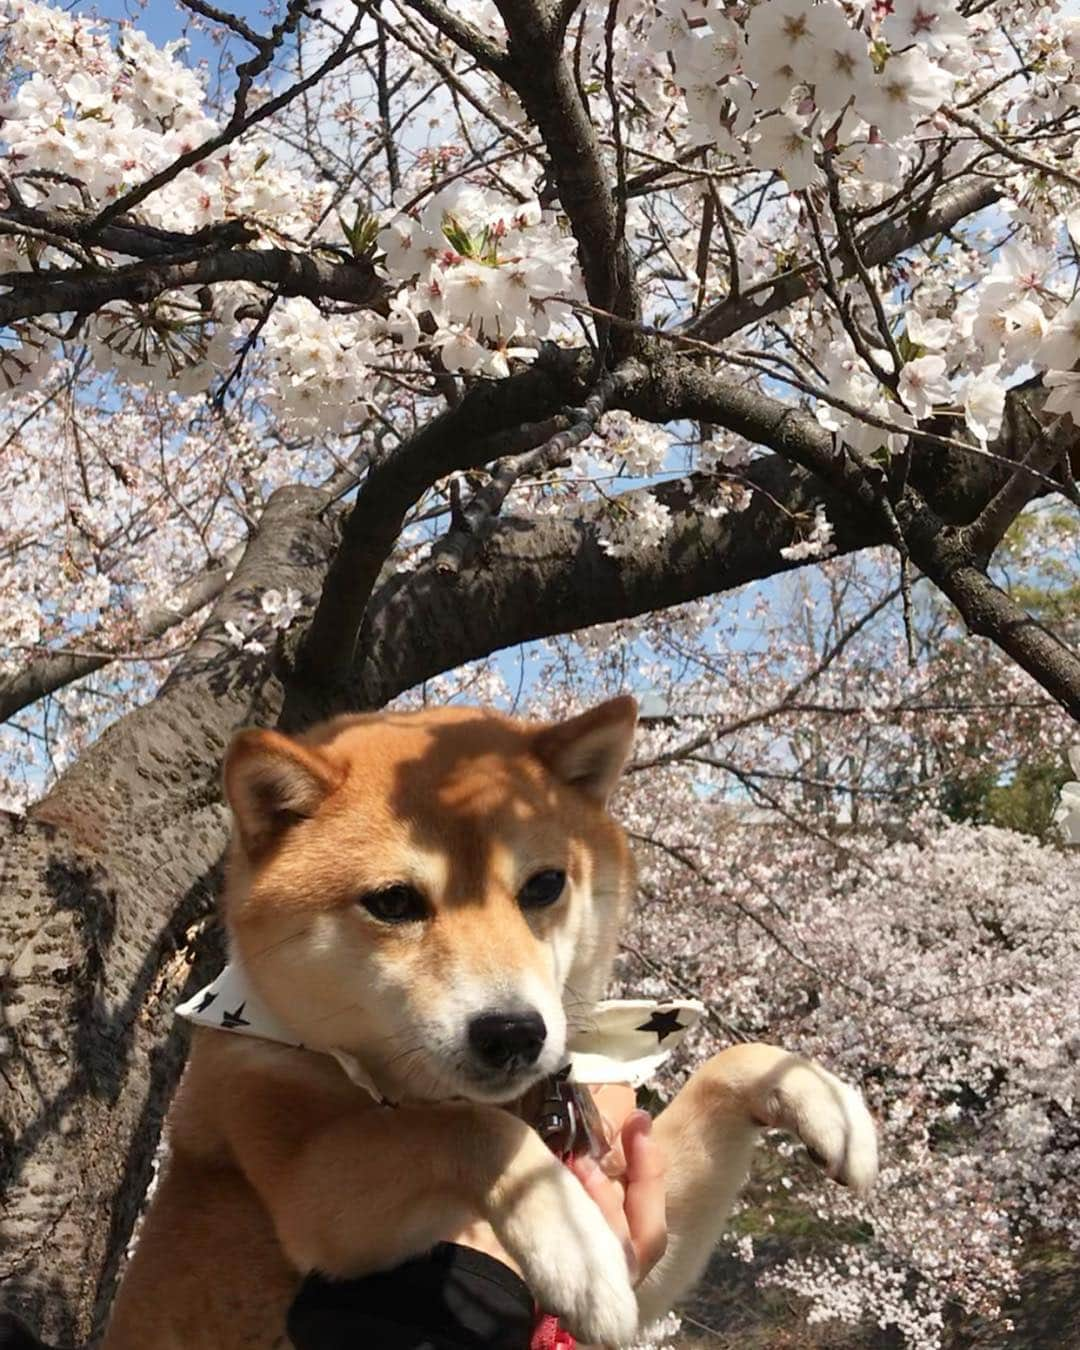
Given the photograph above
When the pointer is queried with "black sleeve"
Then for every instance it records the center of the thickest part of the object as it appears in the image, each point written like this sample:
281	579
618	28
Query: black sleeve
452	1298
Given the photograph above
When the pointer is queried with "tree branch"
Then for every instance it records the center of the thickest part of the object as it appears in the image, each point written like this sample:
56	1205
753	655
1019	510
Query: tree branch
984	534
542	78
449	554
876	246
937	548
1007	151
84	291
496	418
531	579
126	236
784	703
52	671
942	552
231	21
464	35
448	75
240	121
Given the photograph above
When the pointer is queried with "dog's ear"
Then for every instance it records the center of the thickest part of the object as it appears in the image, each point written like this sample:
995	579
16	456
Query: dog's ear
588	752
271	782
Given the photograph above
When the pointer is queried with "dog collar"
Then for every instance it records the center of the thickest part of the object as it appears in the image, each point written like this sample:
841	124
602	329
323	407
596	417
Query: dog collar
625	1041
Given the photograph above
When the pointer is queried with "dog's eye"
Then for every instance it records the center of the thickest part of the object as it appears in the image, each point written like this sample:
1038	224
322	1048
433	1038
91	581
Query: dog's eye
542	890
395	904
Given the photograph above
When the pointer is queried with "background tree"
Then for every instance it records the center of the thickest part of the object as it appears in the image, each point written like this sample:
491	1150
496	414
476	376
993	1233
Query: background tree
344	355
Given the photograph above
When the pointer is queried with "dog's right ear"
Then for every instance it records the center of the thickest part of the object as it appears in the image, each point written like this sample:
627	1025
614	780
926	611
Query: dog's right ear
589	751
271	782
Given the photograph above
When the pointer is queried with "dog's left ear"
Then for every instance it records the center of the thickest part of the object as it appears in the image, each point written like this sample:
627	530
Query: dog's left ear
588	752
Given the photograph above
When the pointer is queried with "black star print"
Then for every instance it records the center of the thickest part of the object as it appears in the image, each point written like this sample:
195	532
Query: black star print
663	1023
205	1002
229	1020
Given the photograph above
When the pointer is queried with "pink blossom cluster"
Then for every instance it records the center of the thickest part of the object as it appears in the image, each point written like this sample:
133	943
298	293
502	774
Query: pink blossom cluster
938	972
789	98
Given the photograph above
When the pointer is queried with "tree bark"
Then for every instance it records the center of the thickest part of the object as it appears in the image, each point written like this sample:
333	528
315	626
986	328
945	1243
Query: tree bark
107	920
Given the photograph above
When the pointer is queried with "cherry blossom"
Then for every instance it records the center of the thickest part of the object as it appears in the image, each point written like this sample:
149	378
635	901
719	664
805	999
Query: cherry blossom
984	404
651	522
803	868
909	86
934	24
816	544
781	143
1064	396
1060	348
924	385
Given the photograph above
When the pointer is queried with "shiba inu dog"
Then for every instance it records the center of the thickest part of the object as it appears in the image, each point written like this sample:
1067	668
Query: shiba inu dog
435	897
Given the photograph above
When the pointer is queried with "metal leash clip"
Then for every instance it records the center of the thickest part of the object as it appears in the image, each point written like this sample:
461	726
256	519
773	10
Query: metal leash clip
567	1119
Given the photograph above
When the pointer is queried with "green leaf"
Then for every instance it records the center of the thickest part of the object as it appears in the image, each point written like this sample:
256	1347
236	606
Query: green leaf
362	233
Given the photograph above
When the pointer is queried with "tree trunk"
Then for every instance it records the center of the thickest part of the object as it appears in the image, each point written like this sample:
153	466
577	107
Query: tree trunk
107	920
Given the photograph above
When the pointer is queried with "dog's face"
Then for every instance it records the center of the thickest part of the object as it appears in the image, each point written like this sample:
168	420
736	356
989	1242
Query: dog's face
436	893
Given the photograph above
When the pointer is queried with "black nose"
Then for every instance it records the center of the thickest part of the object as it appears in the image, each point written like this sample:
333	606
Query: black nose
507	1040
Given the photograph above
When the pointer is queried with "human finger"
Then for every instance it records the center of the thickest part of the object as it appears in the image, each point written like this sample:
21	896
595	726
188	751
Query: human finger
644	1203
614	1102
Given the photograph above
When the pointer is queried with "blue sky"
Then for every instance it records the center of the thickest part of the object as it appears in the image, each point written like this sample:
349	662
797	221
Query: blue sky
164	20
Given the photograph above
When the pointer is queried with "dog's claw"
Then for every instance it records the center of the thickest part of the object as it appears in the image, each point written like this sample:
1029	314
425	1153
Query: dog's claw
830	1118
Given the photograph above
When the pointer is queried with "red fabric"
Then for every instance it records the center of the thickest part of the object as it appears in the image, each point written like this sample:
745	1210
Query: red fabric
548	1335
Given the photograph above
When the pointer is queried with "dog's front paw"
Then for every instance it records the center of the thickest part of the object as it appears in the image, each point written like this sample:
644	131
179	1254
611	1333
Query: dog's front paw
827	1114
572	1262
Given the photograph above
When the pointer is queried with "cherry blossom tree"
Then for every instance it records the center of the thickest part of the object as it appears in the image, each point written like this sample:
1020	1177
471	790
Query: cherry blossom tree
515	352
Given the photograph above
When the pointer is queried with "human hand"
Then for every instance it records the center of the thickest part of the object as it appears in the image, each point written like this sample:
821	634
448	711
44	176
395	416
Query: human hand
628	1183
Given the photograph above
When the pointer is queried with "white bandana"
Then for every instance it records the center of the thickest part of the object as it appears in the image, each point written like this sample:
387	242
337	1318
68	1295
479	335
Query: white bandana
626	1042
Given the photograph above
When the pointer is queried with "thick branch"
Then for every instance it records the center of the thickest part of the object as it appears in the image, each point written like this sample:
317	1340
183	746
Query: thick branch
487	502
124	236
505	417
84	291
937	548
532	579
542	78
942	552
984	534
464	35
111	880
